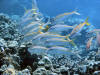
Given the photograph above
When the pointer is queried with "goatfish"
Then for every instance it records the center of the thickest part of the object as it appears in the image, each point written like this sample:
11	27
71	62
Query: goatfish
89	43
56	42
59	48
79	27
59	27
64	14
46	35
38	50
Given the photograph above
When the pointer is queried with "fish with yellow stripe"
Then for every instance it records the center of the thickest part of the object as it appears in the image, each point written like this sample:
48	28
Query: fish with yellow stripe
77	29
65	14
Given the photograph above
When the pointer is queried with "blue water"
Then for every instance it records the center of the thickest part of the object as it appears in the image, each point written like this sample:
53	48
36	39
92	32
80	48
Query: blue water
86	8
52	8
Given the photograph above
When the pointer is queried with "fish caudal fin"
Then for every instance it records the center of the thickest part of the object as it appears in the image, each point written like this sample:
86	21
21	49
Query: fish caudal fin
70	41
87	21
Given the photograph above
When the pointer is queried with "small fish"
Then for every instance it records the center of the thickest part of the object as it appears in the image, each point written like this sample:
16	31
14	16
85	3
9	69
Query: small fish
59	28
30	13
64	14
36	30
34	9
79	27
89	43
38	49
56	42
44	36
31	25
60	48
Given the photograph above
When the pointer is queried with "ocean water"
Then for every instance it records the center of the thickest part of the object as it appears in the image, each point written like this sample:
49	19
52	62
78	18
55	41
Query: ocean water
49	37
55	7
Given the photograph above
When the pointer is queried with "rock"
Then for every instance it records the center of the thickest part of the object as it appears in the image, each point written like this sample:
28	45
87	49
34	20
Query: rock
41	63
76	74
63	69
20	73
83	68
45	61
97	57
40	71
12	44
3	68
26	72
10	70
3	43
96	73
51	73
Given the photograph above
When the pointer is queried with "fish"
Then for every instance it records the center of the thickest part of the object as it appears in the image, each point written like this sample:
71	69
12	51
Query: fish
34	31
41	38
46	35
77	29
56	42
59	28
31	25
38	49
59	48
30	14
65	14
89	43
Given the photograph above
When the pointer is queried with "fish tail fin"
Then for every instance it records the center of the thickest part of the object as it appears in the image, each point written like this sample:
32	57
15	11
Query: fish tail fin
70	41
87	21
67	37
